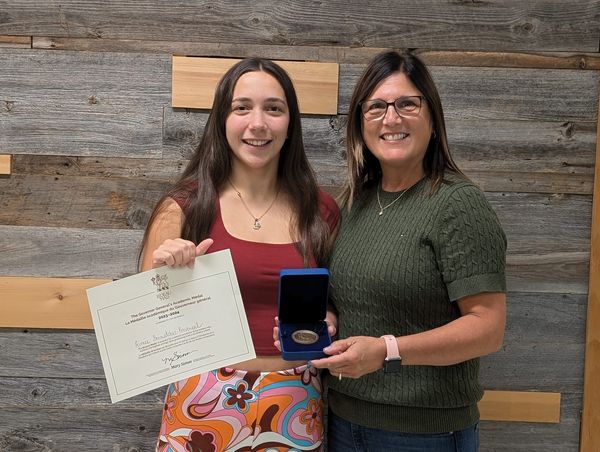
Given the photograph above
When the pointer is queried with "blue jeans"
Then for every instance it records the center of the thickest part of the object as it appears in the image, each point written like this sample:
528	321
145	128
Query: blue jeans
344	436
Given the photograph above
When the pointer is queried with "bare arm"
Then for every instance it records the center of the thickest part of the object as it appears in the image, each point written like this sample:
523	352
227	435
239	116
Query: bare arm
477	332
165	245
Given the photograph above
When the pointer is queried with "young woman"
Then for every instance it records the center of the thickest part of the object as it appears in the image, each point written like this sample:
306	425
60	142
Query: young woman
248	188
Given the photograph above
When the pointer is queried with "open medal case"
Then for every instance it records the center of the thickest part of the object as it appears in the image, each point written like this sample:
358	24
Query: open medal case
302	306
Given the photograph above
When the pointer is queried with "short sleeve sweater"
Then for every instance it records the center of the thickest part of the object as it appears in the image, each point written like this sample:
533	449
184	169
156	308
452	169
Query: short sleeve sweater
257	267
399	273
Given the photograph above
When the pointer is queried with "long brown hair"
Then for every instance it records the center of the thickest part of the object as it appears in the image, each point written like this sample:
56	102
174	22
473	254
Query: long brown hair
363	167
210	167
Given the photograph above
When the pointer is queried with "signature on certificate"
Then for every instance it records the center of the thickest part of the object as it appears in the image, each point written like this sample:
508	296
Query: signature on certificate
175	356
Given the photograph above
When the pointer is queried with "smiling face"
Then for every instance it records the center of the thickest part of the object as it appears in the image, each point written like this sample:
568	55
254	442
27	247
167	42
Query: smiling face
257	124
398	142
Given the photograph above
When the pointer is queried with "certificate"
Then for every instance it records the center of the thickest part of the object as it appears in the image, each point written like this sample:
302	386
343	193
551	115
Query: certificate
167	324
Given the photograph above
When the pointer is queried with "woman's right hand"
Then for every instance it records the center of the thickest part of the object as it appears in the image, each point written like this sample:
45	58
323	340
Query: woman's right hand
179	252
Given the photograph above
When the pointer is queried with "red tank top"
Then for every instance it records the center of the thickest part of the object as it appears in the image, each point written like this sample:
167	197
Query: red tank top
257	267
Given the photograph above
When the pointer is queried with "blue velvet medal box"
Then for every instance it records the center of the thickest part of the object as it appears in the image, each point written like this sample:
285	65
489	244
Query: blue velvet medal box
302	305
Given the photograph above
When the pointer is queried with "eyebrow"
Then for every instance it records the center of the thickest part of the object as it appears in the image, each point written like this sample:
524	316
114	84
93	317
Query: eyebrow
269	99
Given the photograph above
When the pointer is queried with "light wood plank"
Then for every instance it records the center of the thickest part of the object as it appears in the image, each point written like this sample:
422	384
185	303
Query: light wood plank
194	81
45	302
590	419
520	406
5	164
16	41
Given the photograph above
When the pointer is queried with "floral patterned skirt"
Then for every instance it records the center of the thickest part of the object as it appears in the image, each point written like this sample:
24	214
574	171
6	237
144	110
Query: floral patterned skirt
234	410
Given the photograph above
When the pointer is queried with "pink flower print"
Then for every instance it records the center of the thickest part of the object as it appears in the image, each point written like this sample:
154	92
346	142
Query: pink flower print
307	374
238	396
169	408
312	416
201	442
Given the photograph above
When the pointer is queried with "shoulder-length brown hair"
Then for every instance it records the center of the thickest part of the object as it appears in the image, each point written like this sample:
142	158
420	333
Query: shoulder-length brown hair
210	167
363	167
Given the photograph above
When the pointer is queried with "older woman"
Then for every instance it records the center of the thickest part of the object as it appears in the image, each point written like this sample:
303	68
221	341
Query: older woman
417	275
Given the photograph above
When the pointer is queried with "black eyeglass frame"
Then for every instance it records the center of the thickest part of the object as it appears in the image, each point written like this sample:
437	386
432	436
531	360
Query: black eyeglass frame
393	103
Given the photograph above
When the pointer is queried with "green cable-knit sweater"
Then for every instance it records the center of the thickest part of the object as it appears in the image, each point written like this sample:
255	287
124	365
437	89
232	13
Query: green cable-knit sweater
400	273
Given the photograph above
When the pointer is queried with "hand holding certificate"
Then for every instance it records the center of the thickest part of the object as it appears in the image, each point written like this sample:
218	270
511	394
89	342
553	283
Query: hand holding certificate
167	324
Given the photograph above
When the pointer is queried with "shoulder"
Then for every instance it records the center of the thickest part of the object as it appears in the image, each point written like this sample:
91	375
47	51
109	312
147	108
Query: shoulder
329	209
458	189
183	195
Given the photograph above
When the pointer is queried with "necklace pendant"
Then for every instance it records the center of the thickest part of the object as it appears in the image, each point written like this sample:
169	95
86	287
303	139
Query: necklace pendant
257	225
380	212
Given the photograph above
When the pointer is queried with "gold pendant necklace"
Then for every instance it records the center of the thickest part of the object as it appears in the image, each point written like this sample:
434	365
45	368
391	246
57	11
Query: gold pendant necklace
257	225
382	208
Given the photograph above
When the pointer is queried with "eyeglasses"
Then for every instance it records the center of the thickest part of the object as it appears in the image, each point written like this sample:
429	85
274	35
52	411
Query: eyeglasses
375	109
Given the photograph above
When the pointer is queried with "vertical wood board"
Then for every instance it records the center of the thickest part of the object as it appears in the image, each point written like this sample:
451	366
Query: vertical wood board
5	164
590	439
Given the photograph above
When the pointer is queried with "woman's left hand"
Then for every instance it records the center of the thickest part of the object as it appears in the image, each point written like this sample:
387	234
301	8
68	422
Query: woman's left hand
353	357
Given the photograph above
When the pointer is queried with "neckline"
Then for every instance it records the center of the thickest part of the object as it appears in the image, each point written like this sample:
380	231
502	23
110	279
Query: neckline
221	223
391	194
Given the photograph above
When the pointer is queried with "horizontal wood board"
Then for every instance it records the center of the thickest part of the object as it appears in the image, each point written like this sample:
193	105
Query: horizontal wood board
511	25
543	347
194	81
337	54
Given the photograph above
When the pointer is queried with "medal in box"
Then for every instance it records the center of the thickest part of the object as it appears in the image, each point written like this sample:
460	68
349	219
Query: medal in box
303	295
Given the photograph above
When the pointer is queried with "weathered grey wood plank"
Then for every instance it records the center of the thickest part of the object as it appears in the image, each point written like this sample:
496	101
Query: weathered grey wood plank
543	346
543	351
517	94
64	252
79	430
109	202
501	155
85	393
339	54
510	25
547	236
46	428
82	103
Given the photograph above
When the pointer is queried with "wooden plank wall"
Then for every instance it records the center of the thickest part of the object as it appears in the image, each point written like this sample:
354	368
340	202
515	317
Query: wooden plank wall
86	118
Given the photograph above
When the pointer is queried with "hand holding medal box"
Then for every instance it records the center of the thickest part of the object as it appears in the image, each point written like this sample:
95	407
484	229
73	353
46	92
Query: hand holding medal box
303	295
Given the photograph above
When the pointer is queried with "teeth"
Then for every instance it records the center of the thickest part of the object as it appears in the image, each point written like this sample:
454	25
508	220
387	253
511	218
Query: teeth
256	142
394	136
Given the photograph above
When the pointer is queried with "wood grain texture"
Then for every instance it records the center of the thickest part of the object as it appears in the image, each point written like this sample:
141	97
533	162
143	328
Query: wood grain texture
337	54
591	389
82	103
527	156
520	406
543	347
46	302
123	428
68	252
23	42
5	164
519	94
511	25
194	81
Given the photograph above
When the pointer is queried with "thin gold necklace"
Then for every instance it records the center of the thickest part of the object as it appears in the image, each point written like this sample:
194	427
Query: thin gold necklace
257	225
382	208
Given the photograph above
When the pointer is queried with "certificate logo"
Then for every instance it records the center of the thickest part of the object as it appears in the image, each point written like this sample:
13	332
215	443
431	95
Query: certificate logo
161	283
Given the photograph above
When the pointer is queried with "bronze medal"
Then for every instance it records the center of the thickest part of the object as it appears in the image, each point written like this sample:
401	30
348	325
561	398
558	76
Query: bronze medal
305	337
